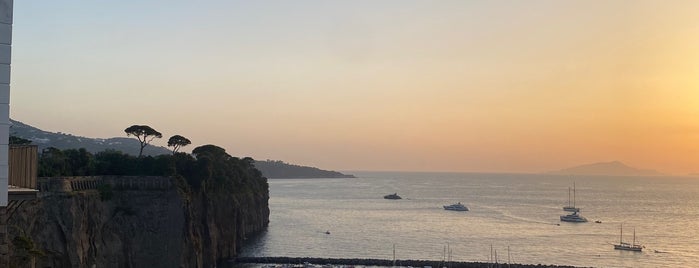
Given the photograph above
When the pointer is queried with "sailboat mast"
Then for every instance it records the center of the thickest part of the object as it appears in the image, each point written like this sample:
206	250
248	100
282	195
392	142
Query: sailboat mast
634	237
569	196
449	258
621	233
508	256
574	194
444	254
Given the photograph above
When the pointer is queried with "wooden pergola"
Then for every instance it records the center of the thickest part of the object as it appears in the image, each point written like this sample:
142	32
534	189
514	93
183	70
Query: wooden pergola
23	165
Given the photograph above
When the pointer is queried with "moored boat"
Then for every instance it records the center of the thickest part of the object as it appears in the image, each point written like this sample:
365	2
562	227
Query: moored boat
626	246
456	207
574	217
392	196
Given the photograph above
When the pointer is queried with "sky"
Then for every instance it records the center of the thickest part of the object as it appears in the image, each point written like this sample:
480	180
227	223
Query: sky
399	85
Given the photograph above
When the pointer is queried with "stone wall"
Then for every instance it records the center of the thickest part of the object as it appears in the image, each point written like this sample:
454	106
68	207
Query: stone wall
70	184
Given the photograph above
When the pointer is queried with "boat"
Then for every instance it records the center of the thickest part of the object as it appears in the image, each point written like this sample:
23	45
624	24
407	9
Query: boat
392	196
457	207
572	208
574	217
626	246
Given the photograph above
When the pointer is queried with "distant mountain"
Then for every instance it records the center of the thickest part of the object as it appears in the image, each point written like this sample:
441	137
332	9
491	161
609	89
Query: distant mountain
45	139
614	168
279	169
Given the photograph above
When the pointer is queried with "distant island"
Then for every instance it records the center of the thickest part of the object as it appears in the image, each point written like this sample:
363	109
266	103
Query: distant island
614	168
45	139
279	169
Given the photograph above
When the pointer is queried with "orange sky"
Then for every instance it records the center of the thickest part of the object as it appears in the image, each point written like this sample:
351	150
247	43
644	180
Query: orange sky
506	86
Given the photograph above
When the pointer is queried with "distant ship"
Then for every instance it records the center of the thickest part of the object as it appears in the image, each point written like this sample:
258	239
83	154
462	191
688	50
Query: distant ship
626	246
392	196
456	207
574	217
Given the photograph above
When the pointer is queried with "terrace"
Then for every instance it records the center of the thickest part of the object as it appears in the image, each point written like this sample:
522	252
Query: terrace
22	175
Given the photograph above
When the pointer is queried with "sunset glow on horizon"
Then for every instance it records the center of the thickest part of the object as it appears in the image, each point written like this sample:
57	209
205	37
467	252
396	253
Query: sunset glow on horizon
491	86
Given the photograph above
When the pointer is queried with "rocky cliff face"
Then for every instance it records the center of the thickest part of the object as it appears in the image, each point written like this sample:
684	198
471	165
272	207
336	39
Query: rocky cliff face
171	227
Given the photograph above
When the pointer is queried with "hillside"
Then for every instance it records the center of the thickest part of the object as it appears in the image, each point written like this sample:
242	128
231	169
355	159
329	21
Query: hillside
45	139
614	168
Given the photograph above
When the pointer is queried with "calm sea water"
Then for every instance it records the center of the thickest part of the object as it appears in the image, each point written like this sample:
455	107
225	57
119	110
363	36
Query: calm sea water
519	211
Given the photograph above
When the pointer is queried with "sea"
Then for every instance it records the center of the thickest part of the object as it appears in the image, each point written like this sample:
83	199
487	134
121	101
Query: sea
513	216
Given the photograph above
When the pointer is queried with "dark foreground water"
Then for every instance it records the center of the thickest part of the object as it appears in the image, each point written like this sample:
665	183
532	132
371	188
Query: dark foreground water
519	211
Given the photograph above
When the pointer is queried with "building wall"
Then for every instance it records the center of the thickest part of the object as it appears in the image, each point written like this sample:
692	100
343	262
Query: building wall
5	56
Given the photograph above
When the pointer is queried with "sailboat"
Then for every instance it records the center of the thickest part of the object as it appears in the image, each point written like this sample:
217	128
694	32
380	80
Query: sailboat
575	216
572	208
626	246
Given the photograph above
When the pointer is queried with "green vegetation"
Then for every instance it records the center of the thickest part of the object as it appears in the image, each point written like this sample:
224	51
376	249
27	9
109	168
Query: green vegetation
18	140
54	162
144	134
209	167
25	249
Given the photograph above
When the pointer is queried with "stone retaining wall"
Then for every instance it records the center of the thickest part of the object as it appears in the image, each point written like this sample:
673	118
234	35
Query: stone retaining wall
71	184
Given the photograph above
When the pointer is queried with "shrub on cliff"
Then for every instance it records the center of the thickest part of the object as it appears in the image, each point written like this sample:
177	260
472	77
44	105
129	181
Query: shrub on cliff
70	162
53	162
209	166
216	170
25	248
111	162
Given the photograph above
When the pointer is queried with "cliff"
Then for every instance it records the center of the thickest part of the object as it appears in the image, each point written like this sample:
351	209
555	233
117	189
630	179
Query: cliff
135	222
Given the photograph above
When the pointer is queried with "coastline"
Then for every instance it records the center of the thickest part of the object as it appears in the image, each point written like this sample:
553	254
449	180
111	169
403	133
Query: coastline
379	262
